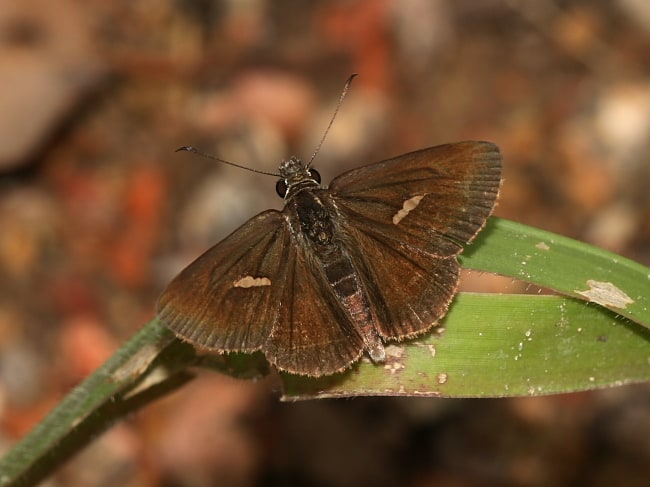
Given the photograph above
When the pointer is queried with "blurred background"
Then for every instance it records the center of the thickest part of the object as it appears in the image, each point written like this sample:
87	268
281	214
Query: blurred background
97	212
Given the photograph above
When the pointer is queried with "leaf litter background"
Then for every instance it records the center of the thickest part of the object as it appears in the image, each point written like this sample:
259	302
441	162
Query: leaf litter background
97	212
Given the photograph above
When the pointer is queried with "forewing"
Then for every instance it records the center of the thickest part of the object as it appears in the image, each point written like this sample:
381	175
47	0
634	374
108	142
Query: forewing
312	336
228	299
434	199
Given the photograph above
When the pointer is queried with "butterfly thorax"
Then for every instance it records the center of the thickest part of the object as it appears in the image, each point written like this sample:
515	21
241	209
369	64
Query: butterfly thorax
315	221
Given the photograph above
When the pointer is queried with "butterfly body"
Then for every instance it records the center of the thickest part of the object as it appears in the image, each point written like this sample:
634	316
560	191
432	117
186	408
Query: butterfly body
322	230
340	270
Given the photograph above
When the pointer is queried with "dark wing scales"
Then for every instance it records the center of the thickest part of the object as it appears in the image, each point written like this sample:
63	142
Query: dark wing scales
459	184
410	290
203	304
408	264
312	336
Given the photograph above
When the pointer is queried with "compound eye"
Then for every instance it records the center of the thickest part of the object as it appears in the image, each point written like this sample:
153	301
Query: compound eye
315	174
281	188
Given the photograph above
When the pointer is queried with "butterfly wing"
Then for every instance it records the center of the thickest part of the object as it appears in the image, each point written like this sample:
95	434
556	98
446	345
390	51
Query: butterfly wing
257	289
229	298
434	199
312	336
409	290
406	220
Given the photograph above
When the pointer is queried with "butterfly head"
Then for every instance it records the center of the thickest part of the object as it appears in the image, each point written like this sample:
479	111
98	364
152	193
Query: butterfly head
295	176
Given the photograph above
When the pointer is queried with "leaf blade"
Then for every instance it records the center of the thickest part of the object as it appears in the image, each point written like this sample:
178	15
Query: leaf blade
498	346
562	264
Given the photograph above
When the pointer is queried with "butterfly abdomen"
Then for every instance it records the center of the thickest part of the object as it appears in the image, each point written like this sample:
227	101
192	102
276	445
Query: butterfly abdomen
343	278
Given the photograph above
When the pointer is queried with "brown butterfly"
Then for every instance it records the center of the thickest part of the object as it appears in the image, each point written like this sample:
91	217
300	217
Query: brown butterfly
341	269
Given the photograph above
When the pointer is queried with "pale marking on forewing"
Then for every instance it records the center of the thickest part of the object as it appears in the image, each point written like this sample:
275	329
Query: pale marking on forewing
605	294
250	281
408	206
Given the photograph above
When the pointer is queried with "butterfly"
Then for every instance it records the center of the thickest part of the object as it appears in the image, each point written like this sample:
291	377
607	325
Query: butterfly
341	270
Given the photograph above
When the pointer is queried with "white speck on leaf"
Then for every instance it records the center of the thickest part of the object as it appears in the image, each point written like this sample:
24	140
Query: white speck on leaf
606	294
394	367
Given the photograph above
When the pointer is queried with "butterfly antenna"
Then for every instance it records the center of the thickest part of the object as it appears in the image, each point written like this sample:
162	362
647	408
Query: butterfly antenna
189	148
346	88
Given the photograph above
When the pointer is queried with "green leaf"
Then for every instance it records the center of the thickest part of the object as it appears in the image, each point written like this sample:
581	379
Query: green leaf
500	345
564	265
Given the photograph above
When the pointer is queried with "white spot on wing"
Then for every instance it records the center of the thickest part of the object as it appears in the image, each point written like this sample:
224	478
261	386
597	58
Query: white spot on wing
408	206
250	281
605	294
